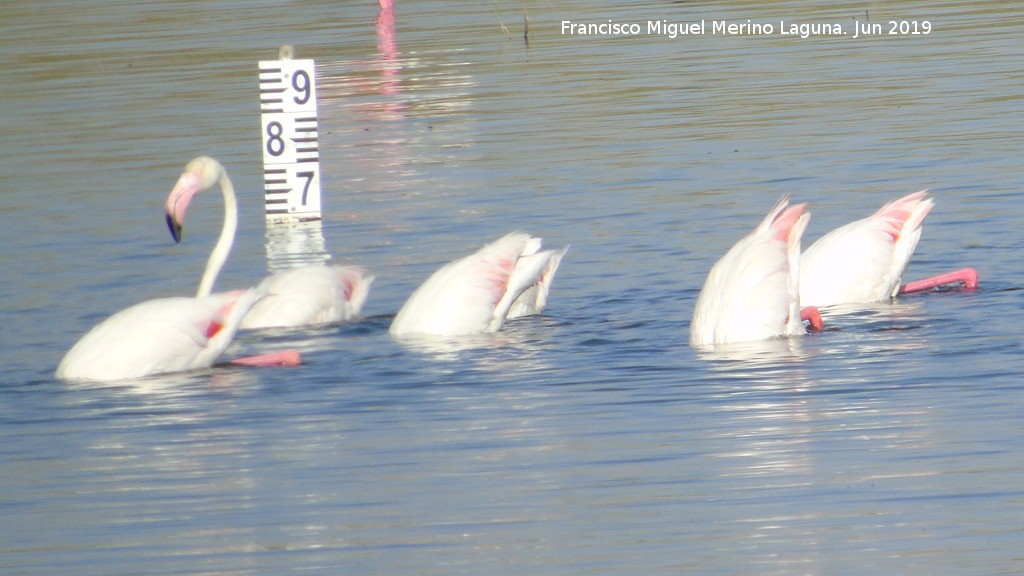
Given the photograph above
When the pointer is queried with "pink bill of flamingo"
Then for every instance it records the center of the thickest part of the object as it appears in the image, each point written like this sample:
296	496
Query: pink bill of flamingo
305	295
864	261
752	293
508	278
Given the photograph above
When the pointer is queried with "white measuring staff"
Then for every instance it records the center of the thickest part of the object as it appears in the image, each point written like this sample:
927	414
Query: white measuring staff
291	162
291	148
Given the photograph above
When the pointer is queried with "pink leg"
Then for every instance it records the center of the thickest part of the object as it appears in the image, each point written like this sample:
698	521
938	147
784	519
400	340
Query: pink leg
810	314
285	358
967	276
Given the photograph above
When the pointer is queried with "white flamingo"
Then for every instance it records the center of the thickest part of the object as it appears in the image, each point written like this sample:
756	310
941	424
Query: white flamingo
161	336
864	261
310	294
508	278
752	293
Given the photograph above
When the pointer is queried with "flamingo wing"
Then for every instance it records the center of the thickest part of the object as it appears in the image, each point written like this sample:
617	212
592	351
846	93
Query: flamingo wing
474	293
311	294
864	261
752	292
158	336
539	271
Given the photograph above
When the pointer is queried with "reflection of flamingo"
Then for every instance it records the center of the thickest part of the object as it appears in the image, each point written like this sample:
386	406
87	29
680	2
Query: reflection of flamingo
386	28
505	279
309	294
864	261
752	293
160	336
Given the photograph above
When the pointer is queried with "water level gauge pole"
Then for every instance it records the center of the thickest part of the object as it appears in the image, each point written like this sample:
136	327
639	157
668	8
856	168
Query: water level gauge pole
291	152
291	162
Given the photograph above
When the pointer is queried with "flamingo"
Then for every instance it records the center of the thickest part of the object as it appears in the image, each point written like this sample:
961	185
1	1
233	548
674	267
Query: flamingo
752	293
508	278
864	261
310	294
163	335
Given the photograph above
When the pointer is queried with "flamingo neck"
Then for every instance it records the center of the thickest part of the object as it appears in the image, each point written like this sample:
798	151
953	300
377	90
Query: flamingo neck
222	249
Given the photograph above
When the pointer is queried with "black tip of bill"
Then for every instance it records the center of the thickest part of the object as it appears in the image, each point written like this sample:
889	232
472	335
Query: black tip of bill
174	228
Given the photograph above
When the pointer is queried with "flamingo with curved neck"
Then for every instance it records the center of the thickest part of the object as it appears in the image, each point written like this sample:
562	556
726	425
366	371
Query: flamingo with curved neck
310	294
202	174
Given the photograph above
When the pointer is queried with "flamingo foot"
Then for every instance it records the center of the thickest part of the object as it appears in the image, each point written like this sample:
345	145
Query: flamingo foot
811	315
968	277
285	358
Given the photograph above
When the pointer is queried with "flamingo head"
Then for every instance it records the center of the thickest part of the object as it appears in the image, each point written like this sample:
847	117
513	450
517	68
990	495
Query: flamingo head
199	176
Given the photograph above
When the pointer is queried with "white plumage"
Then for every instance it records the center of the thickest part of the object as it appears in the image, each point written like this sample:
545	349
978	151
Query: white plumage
310	294
158	336
507	278
752	293
864	261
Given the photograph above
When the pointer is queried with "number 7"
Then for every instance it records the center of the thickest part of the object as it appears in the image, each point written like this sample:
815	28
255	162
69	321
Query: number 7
305	188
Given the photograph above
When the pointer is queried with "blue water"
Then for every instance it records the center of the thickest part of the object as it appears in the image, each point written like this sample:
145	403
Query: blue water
589	440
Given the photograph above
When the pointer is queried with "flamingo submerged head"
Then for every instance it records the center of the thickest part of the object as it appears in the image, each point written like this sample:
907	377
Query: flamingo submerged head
310	294
864	261
507	278
752	292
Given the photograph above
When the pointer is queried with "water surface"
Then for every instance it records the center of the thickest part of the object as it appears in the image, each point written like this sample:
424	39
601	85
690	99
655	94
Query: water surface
590	440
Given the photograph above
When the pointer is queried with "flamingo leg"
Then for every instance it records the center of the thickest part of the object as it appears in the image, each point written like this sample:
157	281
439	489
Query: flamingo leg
284	358
810	314
966	276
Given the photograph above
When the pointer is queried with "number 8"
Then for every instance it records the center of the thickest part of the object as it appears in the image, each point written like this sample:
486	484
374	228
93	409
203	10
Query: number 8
275	144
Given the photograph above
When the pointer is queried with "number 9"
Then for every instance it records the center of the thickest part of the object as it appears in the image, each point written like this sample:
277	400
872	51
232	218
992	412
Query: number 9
301	84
